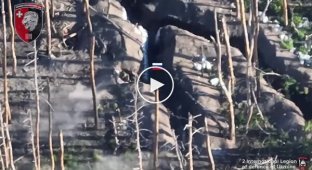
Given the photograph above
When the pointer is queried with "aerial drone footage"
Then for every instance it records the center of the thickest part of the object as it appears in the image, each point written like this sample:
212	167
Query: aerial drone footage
155	84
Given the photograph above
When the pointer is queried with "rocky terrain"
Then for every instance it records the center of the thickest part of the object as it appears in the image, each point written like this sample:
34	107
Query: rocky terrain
130	35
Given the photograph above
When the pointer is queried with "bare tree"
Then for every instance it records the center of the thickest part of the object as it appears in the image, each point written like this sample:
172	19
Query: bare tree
255	50
247	54
208	145
266	8
7	110
137	127
52	9
115	134
4	144
177	149
108	7
232	78
33	145
190	141
12	36
237	9
250	13
92	74
227	91
1	159
50	127
253	62
285	12
37	107
156	130
61	158
9	145
48	22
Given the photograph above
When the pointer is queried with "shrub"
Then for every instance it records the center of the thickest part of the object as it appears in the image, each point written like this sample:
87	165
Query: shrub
287	44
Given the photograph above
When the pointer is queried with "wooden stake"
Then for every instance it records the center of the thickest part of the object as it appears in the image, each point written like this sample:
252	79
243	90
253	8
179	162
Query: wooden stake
61	151
208	145
12	36
50	128
156	130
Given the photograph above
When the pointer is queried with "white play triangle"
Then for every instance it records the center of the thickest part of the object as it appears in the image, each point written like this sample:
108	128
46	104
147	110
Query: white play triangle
154	85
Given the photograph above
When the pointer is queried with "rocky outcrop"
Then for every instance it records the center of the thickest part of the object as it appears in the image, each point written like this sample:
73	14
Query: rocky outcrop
281	60
118	50
178	57
196	16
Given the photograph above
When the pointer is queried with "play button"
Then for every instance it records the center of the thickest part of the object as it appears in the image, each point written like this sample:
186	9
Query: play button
159	79
155	85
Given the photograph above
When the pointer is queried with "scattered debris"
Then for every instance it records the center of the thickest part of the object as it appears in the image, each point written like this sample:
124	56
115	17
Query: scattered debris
305	59
305	23
263	18
214	81
203	64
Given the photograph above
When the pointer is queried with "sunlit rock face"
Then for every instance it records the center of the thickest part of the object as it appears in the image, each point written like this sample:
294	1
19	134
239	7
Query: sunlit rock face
178	56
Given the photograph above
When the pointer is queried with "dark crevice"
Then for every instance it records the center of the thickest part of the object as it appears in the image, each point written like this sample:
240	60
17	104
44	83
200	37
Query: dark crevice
295	93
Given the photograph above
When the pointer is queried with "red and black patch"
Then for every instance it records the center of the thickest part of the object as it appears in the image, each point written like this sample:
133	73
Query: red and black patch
28	21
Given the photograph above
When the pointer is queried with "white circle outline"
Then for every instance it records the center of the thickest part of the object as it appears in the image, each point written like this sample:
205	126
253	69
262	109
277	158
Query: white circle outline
138	80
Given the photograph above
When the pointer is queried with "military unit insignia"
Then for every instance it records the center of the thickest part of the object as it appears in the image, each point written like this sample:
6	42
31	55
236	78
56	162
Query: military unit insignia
28	21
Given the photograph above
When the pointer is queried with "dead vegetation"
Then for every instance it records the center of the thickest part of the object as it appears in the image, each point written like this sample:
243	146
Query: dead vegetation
7	110
227	85
156	132
12	37
91	65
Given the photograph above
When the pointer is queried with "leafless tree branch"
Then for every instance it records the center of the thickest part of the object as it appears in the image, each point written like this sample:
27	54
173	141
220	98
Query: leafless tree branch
92	67
7	110
12	36
156	131
208	145
61	151
37	107
50	126
190	141
227	92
